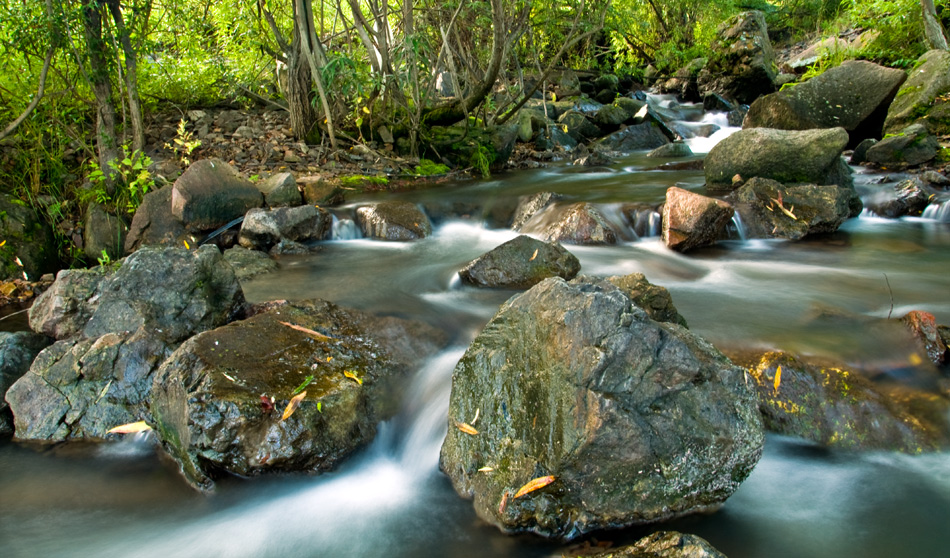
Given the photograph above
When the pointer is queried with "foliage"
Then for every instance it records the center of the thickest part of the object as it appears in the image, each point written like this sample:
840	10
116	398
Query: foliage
184	143
133	181
427	167
482	158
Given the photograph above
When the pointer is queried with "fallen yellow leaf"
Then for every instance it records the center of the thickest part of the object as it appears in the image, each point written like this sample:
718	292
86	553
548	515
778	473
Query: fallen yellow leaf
486	469
130	428
533	485
6	289
533	256
3	243
778	378
186	245
292	405
466	428
352	376
915	359
308	331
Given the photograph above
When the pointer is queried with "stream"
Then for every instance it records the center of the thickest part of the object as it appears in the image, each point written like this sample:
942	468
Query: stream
810	297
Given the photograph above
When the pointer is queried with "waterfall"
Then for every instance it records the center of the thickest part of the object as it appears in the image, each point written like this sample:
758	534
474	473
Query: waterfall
345	229
938	212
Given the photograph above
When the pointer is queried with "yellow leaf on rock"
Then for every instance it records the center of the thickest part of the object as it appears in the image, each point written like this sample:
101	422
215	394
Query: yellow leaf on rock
308	331
292	405
533	256
352	376
533	485
778	378
130	428
467	428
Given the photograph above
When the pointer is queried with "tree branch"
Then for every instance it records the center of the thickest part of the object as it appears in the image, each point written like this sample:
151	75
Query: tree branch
36	98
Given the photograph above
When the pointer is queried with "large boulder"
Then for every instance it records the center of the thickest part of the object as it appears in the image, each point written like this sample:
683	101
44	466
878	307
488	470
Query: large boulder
767	209
115	326
830	405
914	145
854	96
25	237
210	194
17	351
741	65
520	263
393	220
692	220
219	401
153	223
620	419
263	228
788	156
664	544
575	223
924	98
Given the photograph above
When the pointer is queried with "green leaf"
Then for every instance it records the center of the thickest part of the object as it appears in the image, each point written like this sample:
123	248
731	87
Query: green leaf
305	383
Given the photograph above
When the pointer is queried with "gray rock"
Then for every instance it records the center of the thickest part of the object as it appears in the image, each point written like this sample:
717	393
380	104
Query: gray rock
692	220
653	299
263	228
648	135
664	544
578	126
810	209
210	194
552	138
854	96
675	149
116	326
28	238
910	199
103	233
17	351
935	178
636	421
393	220
610	117
248	264
520	263
280	190
923	99
576	223
912	146
742	63
831	405
212	398
860	153
153	223
802	157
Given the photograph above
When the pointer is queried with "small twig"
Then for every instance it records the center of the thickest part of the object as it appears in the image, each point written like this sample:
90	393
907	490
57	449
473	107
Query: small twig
891	294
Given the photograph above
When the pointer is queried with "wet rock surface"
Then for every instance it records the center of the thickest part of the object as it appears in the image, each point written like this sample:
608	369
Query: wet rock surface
665	544
767	209
264	228
578	223
830	405
692	220
520	263
213	406
394	220
636	421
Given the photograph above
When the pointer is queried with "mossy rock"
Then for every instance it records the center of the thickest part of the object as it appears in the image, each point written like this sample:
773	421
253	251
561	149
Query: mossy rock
25	236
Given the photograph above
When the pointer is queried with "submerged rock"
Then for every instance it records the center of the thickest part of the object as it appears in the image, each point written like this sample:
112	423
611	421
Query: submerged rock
218	400
248	264
832	406
635	421
520	263
529	206
114	327
664	544
393	220
767	209
691	220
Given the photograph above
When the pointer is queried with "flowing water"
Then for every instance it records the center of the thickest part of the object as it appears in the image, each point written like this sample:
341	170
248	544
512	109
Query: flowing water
813	297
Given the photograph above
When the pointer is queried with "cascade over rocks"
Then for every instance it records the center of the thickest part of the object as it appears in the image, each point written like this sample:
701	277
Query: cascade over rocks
114	327
520	263
393	220
854	96
924	97
742	63
529	206
575	223
692	220
788	156
211	194
212	398
810	209
910	199
832	406
17	351
263	228
28	238
637	421
913	145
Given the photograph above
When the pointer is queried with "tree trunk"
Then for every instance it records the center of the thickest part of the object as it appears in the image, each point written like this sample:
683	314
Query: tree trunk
303	119
933	30
106	143
131	79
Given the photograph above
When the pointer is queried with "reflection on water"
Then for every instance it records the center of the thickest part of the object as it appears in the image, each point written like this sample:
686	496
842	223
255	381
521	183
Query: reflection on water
825	297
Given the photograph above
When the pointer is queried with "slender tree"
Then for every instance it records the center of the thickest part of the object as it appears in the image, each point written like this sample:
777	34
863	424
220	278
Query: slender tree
933	30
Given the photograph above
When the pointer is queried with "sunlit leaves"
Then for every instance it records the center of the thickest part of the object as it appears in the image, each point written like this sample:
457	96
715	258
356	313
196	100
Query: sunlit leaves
533	485
130	428
466	428
292	405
